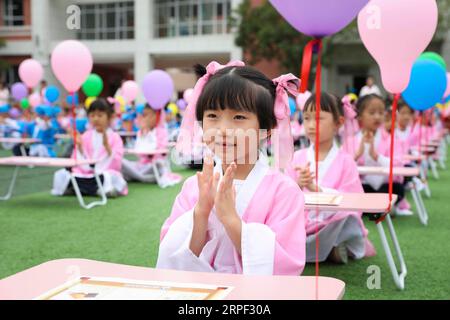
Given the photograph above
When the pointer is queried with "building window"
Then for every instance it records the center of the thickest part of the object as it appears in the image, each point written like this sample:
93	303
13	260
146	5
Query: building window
177	18
107	21
13	12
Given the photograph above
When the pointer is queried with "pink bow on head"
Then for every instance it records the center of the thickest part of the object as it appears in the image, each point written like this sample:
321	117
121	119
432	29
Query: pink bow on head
349	112
349	128
190	129
282	136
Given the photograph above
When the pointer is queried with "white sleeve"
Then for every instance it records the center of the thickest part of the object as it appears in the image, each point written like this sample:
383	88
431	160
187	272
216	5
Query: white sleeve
329	190
174	250
383	161
257	248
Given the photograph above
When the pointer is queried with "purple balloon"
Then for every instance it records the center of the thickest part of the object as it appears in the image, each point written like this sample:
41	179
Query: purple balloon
181	104
157	88
19	91
319	18
14	113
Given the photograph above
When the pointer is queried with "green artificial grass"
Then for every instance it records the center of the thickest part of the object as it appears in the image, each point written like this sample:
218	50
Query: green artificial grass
36	227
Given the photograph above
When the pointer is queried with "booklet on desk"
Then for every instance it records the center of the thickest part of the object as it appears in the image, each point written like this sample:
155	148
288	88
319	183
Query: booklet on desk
325	199
98	288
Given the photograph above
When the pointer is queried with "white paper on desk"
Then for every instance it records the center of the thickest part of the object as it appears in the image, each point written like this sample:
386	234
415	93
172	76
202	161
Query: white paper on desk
323	199
98	288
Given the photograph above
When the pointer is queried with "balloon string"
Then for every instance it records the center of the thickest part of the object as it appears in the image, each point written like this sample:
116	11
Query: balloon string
74	127
318	93
391	158
420	136
304	75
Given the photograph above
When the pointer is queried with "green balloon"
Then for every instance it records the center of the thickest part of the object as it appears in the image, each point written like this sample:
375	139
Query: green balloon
24	103
93	85
434	57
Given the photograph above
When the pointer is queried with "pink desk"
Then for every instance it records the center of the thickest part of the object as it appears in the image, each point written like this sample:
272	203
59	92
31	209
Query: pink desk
19	140
53	163
127	133
44	162
366	202
403	172
147	153
63	136
417	158
384	171
31	283
374	203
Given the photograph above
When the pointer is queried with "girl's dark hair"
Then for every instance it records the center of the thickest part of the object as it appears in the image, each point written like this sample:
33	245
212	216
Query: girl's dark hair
328	103
101	105
364	101
240	89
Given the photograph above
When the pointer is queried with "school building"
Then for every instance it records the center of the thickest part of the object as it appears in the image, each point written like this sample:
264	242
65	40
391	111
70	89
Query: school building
130	37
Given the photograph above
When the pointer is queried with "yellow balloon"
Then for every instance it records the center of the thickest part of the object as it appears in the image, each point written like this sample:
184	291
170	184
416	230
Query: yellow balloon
88	101
352	96
173	108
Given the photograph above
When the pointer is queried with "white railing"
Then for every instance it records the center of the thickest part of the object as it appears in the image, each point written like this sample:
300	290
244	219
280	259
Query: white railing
15	31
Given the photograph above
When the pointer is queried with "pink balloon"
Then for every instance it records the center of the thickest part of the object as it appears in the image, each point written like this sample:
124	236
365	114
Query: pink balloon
447	92
396	33
34	99
130	90
187	94
30	72
71	63
301	99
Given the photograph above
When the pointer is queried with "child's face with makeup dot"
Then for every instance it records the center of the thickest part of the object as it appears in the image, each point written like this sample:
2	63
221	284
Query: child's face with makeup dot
100	120
328	127
405	116
232	135
372	116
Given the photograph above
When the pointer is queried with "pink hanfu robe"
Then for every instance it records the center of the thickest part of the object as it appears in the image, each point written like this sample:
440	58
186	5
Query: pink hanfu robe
143	169
109	165
271	207
382	148
337	174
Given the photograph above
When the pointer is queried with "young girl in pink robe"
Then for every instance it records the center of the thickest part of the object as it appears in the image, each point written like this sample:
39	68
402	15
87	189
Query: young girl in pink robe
371	147
102	143
151	136
341	234
239	216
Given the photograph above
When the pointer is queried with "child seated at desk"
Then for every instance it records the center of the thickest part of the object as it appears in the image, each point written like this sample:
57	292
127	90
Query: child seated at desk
9	128
370	147
101	143
44	128
237	216
341	234
151	136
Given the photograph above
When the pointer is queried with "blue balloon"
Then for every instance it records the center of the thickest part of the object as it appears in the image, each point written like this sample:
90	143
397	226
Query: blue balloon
128	117
81	124
292	105
140	108
5	108
69	99
426	86
51	94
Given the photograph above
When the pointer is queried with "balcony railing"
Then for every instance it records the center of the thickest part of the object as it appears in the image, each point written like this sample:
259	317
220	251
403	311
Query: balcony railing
15	31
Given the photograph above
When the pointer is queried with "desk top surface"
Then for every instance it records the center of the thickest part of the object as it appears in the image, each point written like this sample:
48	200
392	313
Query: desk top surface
37	280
